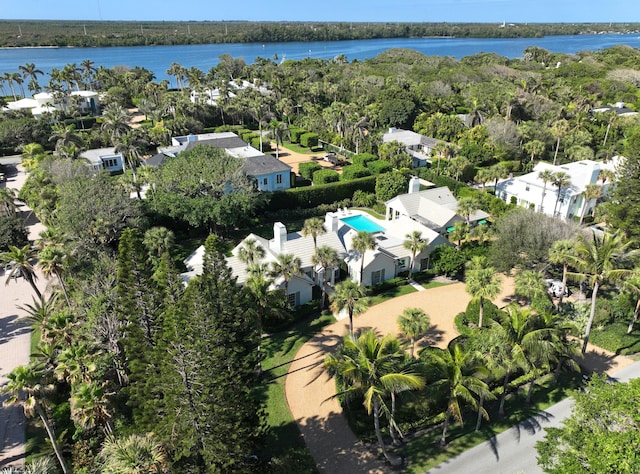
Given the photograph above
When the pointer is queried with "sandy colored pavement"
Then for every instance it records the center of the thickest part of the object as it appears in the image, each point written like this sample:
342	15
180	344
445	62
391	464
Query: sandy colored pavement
309	388
15	342
293	158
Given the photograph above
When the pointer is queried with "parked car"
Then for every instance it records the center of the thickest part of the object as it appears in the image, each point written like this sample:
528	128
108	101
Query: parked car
2	177
8	268
554	287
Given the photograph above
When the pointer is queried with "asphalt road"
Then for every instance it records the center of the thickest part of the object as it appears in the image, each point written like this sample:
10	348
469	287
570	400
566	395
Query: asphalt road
513	451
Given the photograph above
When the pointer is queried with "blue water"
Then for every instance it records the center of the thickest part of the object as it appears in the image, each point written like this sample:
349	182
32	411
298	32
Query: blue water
158	58
362	223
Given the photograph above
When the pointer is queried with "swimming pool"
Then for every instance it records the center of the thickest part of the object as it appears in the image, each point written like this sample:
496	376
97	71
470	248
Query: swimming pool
361	223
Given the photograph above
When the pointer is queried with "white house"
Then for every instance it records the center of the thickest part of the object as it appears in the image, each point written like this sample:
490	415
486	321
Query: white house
527	190
386	261
212	96
434	208
104	159
45	102
270	174
418	146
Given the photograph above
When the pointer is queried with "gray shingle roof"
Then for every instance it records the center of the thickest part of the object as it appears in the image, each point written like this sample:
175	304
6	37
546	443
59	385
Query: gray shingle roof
264	164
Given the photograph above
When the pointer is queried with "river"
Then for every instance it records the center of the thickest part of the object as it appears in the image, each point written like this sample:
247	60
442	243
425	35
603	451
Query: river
158	58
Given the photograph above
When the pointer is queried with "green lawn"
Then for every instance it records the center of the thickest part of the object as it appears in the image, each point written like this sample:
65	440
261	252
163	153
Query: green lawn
433	284
614	338
300	149
391	293
279	350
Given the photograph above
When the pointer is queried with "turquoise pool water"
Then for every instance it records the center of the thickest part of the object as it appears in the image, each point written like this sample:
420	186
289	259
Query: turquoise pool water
361	223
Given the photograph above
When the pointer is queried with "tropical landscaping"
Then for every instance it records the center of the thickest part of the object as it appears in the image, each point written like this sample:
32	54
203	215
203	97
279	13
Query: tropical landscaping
134	370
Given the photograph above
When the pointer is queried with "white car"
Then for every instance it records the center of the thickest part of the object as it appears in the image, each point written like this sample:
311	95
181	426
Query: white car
554	287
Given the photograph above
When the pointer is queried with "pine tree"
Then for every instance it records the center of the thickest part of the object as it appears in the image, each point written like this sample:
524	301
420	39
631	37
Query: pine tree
211	418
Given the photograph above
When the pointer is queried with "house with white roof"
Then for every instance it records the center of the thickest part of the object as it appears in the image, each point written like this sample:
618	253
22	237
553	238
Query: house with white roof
104	159
527	190
386	261
45	102
434	208
619	108
212	96
418	146
270	174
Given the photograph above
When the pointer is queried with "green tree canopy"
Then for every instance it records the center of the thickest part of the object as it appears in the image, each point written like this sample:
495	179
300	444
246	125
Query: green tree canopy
205	188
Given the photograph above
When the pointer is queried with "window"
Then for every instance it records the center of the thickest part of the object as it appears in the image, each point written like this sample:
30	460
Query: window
401	262
279	179
265	181
109	162
294	299
424	264
526	188
377	277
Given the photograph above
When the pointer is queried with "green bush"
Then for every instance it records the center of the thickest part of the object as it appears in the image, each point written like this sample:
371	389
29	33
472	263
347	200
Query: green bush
379	167
353	172
309	140
248	136
325	176
389	185
295	133
363	159
363	199
439	180
447	260
469	319
266	145
307	169
312	196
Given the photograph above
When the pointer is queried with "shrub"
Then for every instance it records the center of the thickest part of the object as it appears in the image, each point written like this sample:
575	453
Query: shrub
363	159
353	172
469	319
248	136
307	169
325	176
295	133
309	140
12	232
448	261
312	196
389	185
363	199
266	145
379	167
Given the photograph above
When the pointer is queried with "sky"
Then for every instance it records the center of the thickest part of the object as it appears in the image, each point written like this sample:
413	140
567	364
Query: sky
490	11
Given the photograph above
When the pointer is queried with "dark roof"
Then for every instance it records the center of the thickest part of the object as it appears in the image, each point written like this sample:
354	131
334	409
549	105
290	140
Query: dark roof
226	143
156	160
264	164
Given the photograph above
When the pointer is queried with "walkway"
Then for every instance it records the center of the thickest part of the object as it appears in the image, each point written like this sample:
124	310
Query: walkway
308	387
14	346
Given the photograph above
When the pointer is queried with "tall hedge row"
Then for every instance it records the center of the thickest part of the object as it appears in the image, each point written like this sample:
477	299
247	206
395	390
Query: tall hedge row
295	133
311	196
309	140
325	176
354	172
307	169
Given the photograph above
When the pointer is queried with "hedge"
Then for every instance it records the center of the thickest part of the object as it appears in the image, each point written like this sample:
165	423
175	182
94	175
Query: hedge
309	140
313	196
248	136
325	176
439	180
307	169
379	167
363	159
353	172
266	145
295	133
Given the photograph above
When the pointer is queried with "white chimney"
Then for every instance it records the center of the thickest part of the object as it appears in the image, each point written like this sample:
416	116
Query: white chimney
331	222
279	237
414	185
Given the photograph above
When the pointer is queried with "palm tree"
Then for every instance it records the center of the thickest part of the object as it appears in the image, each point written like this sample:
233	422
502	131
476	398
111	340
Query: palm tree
482	282
546	176
32	155
278	130
53	261
25	389
599	260
560	180
370	366
88	69
591	191
133	454
132	146
350	296
466	206
327	258
415	244
459	375
179	72
313	227
9	78
631	285
535	147
75	364
39	312
287	266
115	120
559	130
520	343
459	233
606	175
362	242
20	260
30	71
413	323
158	240
89	406
251	252
65	135
530	284
561	253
